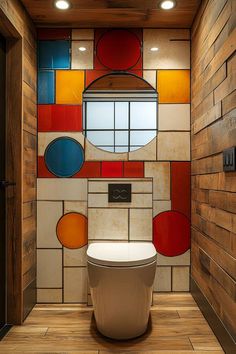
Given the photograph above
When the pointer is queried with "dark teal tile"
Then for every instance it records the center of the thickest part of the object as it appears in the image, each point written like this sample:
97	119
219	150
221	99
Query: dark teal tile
54	54
46	87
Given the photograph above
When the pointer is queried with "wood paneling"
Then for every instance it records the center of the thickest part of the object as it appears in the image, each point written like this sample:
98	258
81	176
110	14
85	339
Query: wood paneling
21	157
176	327
110	13
213	130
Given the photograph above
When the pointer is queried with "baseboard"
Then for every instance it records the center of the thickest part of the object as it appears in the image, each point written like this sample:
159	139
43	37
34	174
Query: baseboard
29	298
223	336
4	330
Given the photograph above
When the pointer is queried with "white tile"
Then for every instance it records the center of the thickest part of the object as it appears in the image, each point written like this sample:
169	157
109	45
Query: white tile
160	172
146	153
76	206
48	214
82	33
92	153
173	146
47	296
76	257
49	268
82	59
137	201
180	281
108	224
62	189
172	52
161	205
162	280
44	139
174	117
183	259
138	186
151	77
75	285
140	224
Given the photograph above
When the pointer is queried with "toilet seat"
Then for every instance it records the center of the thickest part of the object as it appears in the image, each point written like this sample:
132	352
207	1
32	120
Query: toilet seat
122	254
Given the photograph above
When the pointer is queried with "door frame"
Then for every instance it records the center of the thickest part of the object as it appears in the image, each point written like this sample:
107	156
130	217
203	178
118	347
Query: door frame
14	153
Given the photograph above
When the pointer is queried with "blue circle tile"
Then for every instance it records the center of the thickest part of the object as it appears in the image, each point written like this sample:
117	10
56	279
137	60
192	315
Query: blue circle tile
64	157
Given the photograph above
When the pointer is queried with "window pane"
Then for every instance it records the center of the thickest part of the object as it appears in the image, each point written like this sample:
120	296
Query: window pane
100	115
143	115
121	115
121	138
141	137
106	148
133	148
121	149
101	138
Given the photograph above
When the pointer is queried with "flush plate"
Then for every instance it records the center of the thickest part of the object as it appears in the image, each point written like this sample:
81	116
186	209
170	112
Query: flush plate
229	159
119	193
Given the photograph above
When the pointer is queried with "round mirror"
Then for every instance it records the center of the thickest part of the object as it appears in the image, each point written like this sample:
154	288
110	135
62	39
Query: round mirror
120	112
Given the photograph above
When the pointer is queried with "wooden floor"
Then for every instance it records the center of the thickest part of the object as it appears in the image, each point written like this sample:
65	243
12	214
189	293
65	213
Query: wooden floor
176	327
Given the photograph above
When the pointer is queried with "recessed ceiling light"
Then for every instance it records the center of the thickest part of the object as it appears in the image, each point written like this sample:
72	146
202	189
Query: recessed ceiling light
62	4
154	49
82	49
167	4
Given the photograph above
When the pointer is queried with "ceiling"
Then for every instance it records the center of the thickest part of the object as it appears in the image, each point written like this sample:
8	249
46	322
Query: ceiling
112	13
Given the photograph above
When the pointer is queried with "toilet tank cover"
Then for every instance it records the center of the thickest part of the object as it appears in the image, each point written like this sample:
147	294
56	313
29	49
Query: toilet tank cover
121	254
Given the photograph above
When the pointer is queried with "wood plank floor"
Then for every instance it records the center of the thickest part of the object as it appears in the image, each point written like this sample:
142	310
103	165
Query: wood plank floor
176	327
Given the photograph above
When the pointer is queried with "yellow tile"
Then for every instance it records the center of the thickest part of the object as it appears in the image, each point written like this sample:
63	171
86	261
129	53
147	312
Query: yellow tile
69	86
173	86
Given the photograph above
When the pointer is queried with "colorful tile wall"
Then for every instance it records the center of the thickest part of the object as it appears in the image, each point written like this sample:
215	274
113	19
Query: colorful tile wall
73	174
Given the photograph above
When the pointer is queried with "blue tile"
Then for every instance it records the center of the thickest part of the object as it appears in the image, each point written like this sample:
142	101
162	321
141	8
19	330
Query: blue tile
54	54
46	87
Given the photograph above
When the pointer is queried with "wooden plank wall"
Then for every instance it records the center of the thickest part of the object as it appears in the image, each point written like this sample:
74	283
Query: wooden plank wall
213	130
13	11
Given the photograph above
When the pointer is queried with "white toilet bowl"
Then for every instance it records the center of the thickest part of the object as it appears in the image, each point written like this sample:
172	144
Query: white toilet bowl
121	277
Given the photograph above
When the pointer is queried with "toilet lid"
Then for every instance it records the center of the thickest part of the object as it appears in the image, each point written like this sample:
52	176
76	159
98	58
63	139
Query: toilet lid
122	254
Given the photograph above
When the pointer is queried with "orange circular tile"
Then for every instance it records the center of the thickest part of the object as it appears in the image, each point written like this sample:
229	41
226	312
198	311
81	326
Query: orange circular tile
72	230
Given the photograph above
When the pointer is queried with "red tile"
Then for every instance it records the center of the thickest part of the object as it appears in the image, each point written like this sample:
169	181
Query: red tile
89	169
171	233
112	169
53	33
133	169
42	169
180	187
62	118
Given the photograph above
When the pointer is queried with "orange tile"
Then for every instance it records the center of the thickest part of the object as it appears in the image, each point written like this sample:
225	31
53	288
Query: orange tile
173	86
69	86
72	230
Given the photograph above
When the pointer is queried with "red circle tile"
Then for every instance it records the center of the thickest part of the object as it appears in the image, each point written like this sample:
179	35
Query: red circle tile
171	233
118	49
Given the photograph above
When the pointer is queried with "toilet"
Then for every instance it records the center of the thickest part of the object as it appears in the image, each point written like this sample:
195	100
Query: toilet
121	277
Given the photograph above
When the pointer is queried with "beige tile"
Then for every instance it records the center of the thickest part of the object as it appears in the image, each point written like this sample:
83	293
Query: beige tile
173	146
46	138
140	225
75	258
173	117
183	259
82	59
180	281
62	189
48	214
75	285
108	224
82	33
49	268
48	296
161	205
138	186
151	77
162	280
146	153
92	153
137	201
160	172
172	53
78	207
